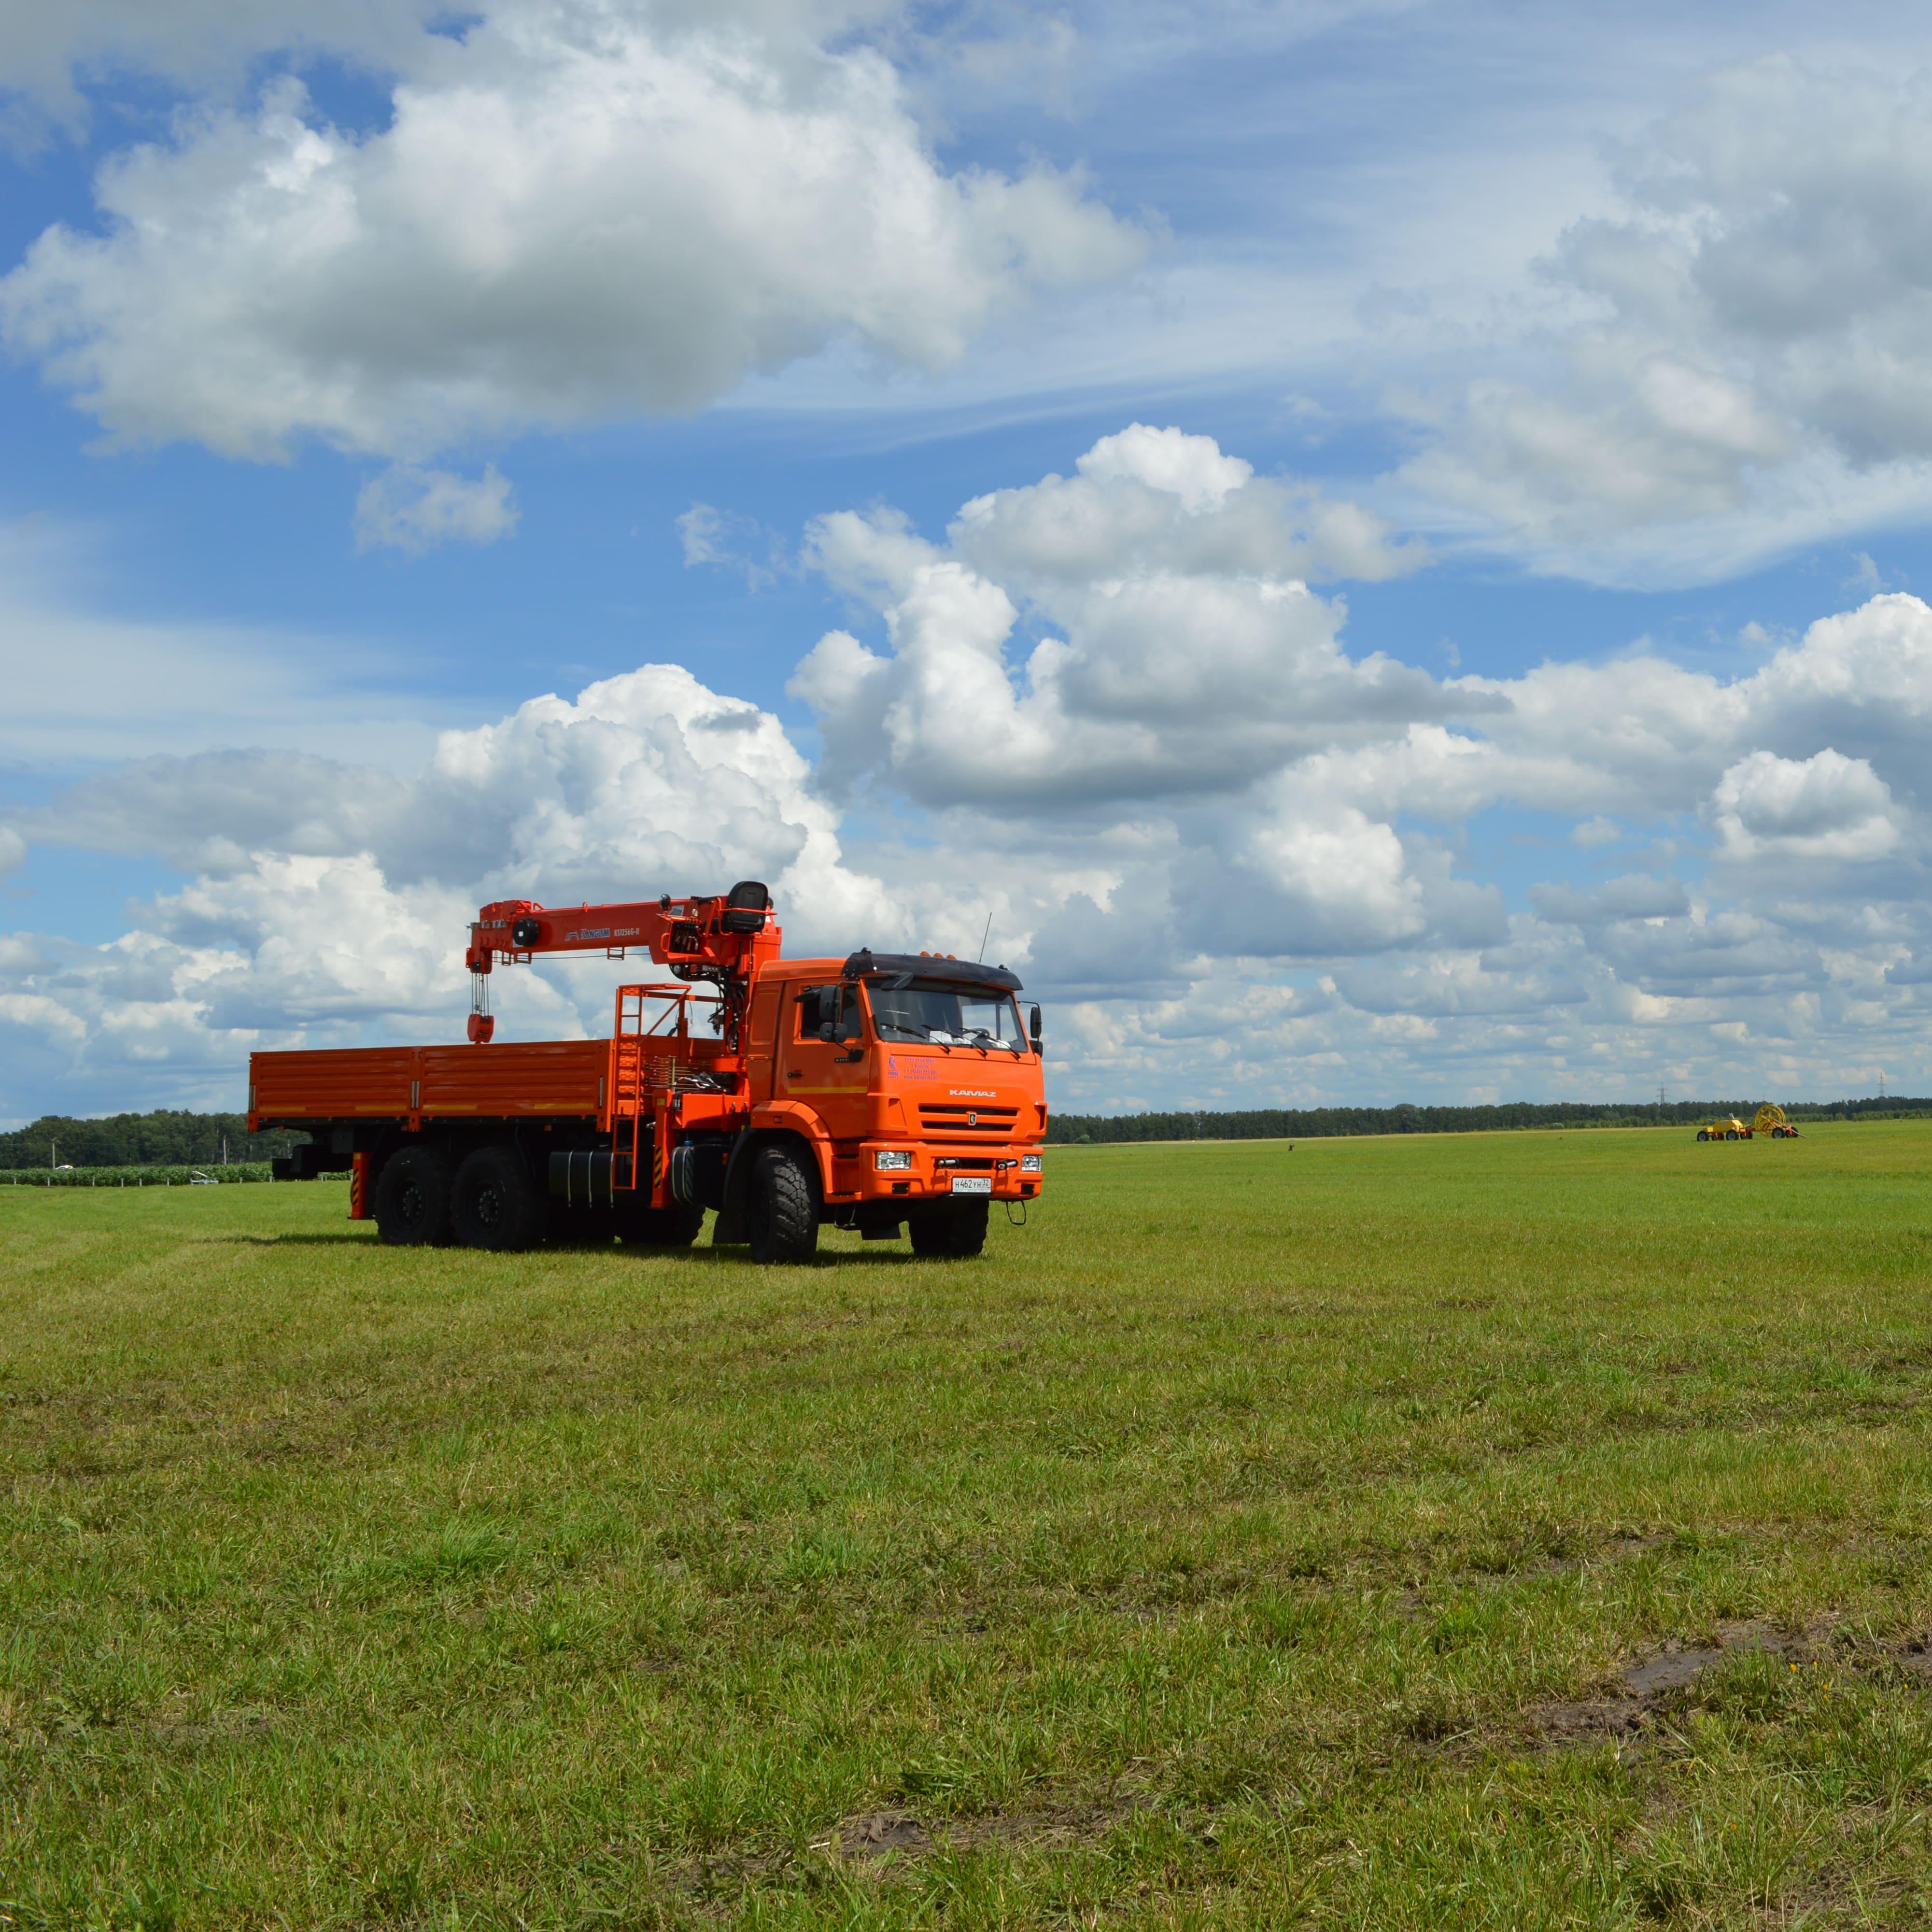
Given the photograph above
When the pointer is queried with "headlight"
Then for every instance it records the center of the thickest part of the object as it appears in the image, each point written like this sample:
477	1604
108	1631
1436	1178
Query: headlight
1029	1163
888	1160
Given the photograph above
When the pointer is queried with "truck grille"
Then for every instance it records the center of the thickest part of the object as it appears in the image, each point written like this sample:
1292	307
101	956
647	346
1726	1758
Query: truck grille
958	1121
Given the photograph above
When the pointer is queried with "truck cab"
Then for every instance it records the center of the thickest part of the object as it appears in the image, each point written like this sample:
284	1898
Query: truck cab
920	1074
910	1081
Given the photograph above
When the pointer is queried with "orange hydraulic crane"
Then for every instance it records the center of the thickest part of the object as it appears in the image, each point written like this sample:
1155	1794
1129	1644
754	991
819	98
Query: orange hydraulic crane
719	939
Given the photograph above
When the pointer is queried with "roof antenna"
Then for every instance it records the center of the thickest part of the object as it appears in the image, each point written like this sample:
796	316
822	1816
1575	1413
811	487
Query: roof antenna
985	935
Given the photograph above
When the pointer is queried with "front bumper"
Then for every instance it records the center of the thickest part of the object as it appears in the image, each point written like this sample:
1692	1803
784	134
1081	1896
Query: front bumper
855	1176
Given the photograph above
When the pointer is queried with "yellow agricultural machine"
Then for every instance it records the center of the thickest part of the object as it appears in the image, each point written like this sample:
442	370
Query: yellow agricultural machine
1770	1119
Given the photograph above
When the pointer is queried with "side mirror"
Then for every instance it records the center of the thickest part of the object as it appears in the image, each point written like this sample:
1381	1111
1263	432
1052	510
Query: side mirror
1033	1027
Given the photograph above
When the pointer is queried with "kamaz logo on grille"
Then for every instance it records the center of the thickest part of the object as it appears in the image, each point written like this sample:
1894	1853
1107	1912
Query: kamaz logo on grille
972	1093
972	1120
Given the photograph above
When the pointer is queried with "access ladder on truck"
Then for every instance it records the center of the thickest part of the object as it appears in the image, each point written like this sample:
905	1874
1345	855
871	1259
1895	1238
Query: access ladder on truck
648	1062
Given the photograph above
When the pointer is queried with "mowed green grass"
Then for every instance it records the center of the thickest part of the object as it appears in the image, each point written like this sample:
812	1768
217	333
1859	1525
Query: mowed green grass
1214	1552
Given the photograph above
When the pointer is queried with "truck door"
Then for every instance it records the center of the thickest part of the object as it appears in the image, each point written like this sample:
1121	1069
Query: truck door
768	1006
825	1060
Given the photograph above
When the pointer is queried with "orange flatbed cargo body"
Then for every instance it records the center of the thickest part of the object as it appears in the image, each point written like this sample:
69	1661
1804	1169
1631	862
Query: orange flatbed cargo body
532	1078
872	1092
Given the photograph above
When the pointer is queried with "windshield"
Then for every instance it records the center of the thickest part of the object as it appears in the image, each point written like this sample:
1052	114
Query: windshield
946	1016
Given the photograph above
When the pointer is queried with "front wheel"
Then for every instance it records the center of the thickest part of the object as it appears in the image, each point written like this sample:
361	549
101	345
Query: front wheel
495	1203
784	1209
954	1232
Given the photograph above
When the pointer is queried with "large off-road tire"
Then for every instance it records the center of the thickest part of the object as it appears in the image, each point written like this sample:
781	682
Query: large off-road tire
677	1226
785	1208
412	1196
495	1203
954	1232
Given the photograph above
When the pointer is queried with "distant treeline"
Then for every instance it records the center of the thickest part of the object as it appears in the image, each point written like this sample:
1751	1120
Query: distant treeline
165	1139
136	1177
1314	1123
140	1140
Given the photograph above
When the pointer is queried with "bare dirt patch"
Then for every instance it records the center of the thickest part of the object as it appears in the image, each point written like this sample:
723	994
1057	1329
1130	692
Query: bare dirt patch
1651	1683
1913	1660
879	1836
1610	1552
880	1840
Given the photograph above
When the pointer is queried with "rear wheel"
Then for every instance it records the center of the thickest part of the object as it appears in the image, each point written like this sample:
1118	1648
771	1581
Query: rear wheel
955	1232
677	1226
495	1203
785	1208
412	1199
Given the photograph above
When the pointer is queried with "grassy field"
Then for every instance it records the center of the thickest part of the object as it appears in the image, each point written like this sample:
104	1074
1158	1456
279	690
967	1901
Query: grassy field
1511	1530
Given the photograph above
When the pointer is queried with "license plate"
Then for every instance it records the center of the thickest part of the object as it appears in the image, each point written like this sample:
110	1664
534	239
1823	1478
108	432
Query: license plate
972	1184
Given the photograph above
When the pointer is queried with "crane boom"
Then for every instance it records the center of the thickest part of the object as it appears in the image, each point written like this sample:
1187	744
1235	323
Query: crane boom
720	938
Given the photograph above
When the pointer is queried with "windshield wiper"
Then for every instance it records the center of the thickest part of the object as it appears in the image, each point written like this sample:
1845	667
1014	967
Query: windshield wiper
991	1038
900	1026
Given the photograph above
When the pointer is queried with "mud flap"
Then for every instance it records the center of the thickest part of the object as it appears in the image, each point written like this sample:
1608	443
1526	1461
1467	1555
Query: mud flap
731	1228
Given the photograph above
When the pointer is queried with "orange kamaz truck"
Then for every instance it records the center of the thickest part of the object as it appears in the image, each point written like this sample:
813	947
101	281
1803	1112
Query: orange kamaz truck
889	1093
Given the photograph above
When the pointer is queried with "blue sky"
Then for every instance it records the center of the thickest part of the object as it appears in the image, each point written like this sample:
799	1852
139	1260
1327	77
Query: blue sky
1437	617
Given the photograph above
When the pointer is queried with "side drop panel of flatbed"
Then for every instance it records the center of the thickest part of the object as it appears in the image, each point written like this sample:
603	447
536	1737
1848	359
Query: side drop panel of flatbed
533	1079
538	1077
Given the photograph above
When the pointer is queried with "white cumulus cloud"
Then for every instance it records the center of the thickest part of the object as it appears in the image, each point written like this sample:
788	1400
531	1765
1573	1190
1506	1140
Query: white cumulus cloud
1743	366
1121	671
345	915
1824	807
1104	722
1190	657
46	53
577	211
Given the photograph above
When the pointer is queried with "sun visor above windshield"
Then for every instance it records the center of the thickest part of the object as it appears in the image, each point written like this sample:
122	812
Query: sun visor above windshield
866	964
